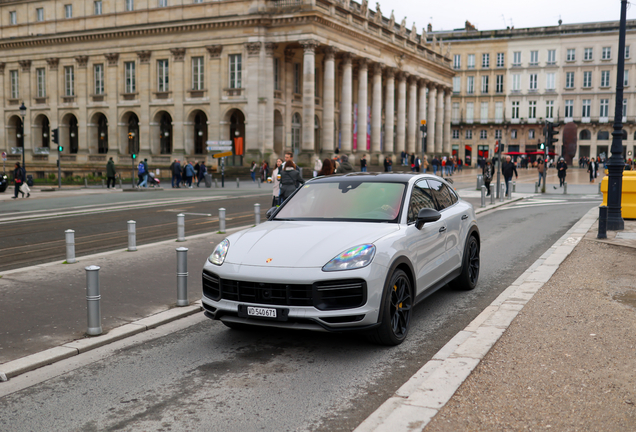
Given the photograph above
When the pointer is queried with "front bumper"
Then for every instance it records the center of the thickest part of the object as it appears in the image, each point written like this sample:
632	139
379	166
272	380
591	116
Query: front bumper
309	317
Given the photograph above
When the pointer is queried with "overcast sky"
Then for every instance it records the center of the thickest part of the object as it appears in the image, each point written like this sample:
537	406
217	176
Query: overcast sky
490	14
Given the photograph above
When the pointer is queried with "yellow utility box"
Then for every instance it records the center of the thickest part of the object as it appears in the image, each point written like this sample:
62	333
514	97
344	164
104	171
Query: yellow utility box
628	197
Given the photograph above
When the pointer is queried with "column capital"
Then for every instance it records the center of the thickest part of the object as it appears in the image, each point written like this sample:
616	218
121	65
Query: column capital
270	48
347	57
289	54
53	62
2	65
390	72
144	56
413	79
309	45
423	82
253	48
25	65
82	61
214	50
363	63
330	52
431	85
177	54
377	68
402	76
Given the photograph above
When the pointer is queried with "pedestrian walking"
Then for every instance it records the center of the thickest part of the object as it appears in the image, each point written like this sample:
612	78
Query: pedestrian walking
189	173
507	169
290	180
263	171
488	171
562	168
202	172
345	166
142	175
253	169
388	164
541	171
276	183
435	163
110	173
591	168
317	166
327	168
176	173
418	163
196	169
363	163
18	180
424	164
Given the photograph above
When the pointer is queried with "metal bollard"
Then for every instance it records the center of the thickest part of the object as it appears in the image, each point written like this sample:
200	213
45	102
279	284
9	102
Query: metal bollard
259	184
103	184
70	246
509	194
237	182
121	186
132	236
599	188
92	301
222	220
257	213
502	188
182	276
492	194
565	188
86	182
536	187
602	222
480	181
483	196
514	186
216	185
181	227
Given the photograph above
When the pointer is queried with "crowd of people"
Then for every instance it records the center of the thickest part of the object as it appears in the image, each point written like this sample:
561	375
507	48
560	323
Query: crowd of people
187	173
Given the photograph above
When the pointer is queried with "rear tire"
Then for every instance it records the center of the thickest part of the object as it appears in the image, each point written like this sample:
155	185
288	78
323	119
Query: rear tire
396	312
469	276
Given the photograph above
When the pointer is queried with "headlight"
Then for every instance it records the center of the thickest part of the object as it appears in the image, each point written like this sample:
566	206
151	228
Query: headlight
351	259
218	256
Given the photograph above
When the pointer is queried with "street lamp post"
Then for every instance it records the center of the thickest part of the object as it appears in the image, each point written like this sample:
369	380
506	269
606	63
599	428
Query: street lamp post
616	163
23	111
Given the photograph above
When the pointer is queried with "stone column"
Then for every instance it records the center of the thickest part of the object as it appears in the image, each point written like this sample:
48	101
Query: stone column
177	86
289	96
111	88
25	96
3	130
270	48
345	109
309	97
376	114
430	121
363	92
146	141
53	94
447	120
412	119
81	96
252	140
215	89
400	136
439	121
422	113
389	112
328	101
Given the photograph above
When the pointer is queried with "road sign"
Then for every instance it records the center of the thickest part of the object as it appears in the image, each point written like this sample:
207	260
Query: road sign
219	143
4	155
220	155
220	148
422	122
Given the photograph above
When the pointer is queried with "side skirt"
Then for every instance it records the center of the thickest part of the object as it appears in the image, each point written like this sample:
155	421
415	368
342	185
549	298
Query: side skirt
449	277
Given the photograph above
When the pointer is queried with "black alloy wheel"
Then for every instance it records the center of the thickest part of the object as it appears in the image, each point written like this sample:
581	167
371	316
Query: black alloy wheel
396	316
469	276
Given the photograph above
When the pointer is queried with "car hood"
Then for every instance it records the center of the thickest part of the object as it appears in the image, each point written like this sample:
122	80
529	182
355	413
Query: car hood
301	244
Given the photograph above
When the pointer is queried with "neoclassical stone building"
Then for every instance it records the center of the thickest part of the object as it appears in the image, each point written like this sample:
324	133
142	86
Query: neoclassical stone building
162	77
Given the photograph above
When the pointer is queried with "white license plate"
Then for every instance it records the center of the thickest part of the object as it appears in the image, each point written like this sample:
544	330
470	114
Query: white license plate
261	312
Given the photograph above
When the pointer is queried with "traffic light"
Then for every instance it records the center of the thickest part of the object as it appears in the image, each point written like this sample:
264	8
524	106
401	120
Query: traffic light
130	135
134	156
551	134
56	136
541	146
60	148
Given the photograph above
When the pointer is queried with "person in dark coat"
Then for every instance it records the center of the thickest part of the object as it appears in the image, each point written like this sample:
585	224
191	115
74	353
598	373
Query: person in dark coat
388	164
345	166
176	173
290	180
562	168
507	169
18	180
202	172
110	173
488	172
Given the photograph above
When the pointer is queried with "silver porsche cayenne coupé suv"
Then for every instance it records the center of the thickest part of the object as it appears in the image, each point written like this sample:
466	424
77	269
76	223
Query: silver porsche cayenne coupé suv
346	252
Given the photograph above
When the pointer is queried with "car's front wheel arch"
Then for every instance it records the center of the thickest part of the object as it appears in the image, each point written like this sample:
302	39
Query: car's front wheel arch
400	263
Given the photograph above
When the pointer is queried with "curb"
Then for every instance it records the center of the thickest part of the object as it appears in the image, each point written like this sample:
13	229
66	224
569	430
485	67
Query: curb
26	364
415	404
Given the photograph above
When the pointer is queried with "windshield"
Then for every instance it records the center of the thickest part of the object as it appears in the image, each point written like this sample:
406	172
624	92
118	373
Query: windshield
345	200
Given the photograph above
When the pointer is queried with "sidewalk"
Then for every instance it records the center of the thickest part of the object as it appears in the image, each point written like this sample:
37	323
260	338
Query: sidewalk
555	351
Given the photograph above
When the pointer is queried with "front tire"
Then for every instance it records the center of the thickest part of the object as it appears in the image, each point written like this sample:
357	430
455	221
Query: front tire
469	276
396	313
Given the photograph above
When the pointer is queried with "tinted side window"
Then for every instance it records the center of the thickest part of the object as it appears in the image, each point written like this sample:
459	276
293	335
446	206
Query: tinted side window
420	198
444	197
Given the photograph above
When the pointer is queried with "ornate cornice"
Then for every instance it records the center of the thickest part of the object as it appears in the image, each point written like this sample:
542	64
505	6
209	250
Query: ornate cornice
113	58
253	48
82	61
53	63
25	65
144	56
178	54
214	50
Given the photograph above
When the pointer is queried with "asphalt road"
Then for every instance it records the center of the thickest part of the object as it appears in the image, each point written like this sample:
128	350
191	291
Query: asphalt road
100	228
207	377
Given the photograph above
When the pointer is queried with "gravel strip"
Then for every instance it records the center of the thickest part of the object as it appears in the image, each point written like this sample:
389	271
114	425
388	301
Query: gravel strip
568	360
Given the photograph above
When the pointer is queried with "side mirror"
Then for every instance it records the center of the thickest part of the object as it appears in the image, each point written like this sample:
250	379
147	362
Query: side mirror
270	212
426	215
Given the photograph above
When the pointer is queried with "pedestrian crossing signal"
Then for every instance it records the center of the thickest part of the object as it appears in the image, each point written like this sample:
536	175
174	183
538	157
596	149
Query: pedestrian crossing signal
134	156
60	148
541	146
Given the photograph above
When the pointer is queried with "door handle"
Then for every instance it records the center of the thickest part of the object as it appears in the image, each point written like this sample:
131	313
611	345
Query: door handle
442	229
464	217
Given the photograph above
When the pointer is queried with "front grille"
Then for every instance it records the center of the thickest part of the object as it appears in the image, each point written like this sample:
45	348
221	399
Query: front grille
325	295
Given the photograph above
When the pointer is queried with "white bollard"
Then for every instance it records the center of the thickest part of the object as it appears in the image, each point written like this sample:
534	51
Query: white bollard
492	194
502	190
222	220
237	182
93	297
181	227
70	246
132	236
257	214
483	196
565	188
182	276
